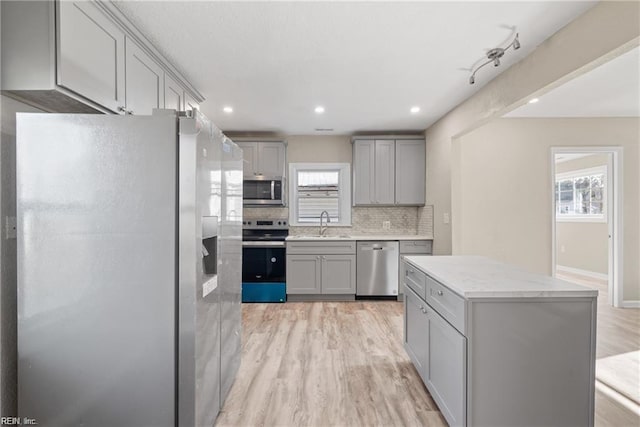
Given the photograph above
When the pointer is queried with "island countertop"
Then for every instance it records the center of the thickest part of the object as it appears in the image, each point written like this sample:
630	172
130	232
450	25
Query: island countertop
481	277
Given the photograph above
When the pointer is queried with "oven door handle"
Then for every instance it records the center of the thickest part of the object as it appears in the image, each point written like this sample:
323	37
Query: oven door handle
264	244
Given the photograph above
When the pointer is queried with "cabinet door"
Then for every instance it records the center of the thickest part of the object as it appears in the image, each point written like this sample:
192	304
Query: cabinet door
303	274
249	158
190	103
416	332
144	81
91	54
338	274
270	159
363	172
385	168
410	172
446	370
173	94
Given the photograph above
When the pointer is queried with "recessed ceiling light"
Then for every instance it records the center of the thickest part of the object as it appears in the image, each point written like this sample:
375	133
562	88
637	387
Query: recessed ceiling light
533	100
319	109
415	110
228	109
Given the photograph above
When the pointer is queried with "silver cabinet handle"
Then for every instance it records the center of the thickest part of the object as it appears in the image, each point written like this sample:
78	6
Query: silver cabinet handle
424	310
440	293
324	258
122	109
318	257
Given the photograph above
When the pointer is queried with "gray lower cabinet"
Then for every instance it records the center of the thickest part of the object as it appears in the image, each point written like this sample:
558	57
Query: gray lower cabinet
321	268
304	274
416	332
438	352
412	247
446	367
496	357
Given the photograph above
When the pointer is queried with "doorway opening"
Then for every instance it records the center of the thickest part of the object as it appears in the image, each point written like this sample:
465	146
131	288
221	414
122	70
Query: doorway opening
586	217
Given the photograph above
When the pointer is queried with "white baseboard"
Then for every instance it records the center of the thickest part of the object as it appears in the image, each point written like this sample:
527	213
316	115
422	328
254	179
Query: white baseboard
581	272
630	304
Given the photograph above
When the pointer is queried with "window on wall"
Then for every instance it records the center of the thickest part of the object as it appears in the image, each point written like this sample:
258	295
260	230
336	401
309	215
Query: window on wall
581	195
318	187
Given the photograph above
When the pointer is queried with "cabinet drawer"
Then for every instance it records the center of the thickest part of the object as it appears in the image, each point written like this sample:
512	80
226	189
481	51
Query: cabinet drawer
415	279
415	247
322	248
448	304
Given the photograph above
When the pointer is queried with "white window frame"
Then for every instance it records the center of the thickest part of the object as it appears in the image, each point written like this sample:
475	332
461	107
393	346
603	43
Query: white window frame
599	170
344	191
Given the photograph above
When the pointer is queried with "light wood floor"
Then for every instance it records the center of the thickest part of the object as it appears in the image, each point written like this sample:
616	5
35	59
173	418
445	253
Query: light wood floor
326	364
331	363
617	353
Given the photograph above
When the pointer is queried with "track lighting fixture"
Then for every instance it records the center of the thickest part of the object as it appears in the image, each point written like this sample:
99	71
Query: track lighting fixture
494	56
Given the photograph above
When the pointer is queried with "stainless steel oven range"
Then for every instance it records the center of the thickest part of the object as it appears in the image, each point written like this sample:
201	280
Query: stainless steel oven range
264	260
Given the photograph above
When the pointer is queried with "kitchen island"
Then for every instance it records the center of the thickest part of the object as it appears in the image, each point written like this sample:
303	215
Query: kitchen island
499	346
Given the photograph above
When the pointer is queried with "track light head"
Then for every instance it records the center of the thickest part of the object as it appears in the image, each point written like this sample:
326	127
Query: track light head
516	43
472	80
496	62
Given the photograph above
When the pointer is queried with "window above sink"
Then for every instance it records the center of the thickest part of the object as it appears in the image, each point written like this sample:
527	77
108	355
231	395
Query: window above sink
317	187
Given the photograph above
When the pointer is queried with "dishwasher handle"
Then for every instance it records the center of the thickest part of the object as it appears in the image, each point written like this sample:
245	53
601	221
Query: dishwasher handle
376	248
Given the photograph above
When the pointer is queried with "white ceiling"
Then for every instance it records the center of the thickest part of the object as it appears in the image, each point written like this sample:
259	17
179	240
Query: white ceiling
367	63
610	90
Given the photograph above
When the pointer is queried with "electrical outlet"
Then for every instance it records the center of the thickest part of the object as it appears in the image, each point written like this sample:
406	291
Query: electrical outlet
386	225
445	218
10	227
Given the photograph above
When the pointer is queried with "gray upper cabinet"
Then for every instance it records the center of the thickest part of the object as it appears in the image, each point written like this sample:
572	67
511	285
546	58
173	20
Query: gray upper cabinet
144	81
388	172
84	57
173	94
263	158
385	169
91	54
271	159
410	172
190	103
363	172
249	157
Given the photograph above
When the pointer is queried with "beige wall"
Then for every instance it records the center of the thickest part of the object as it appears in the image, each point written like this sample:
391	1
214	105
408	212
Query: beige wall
319	149
8	281
501	179
568	53
583	245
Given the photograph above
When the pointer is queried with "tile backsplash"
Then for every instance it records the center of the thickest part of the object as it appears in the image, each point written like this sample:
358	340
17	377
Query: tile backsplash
364	220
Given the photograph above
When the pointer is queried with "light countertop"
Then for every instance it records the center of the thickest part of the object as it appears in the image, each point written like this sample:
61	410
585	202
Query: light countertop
360	237
480	277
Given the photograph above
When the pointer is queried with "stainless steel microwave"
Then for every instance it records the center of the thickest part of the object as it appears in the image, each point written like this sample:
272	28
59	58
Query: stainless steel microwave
263	190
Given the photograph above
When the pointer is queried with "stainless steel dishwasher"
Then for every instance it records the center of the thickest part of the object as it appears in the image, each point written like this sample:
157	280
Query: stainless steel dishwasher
377	268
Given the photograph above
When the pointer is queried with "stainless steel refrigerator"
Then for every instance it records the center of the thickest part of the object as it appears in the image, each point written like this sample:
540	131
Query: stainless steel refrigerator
129	269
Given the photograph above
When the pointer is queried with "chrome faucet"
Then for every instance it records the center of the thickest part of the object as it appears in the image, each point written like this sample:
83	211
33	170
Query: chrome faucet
323	230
